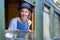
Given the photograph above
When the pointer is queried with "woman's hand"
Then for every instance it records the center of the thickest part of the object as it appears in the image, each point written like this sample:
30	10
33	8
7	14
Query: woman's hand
17	29
29	30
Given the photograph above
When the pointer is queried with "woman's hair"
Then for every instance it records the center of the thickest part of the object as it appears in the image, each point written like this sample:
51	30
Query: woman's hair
25	5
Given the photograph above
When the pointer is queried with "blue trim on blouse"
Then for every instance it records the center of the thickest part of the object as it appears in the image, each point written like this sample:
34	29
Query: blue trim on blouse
22	26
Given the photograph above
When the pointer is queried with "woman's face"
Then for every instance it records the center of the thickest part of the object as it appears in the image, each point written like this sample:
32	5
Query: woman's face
24	13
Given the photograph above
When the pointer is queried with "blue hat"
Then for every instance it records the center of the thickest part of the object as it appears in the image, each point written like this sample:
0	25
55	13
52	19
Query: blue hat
25	5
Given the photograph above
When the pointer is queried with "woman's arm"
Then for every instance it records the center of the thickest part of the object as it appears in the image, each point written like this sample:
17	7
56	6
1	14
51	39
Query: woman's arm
13	24
29	24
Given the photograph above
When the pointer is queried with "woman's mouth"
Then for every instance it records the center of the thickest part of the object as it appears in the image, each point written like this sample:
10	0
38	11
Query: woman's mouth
24	15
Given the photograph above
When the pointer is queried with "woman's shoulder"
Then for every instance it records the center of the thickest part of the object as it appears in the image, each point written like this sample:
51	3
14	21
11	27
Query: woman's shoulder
14	19
13	24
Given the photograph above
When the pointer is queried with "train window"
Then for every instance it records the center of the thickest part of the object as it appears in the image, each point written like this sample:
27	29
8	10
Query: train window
57	26
46	31
11	11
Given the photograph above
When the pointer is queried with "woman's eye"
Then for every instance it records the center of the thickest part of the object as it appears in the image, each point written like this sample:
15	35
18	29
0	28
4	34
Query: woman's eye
26	12
22	11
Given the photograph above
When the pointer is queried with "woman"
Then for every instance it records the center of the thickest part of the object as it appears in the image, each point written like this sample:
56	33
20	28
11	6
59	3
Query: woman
22	22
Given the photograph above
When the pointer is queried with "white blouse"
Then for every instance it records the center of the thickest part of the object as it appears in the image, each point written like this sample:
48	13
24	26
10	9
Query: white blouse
13	24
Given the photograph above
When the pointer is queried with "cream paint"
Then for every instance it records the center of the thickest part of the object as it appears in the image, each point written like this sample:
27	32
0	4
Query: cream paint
46	31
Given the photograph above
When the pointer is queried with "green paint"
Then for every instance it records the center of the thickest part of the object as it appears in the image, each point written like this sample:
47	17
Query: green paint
39	5
39	20
2	20
52	23
32	2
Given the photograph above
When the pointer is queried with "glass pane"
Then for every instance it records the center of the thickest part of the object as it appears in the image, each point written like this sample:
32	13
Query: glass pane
19	35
